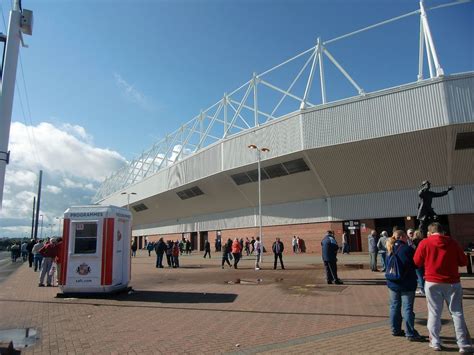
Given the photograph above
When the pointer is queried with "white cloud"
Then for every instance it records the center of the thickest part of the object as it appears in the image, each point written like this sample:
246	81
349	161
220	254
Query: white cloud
132	94
72	170
77	131
53	189
61	152
22	178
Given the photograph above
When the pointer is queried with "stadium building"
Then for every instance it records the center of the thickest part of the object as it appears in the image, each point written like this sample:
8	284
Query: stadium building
353	165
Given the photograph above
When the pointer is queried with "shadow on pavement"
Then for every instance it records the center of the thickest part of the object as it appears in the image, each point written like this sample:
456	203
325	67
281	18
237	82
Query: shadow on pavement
177	297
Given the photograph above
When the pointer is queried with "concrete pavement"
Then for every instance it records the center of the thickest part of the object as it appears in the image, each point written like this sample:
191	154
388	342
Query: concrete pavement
201	308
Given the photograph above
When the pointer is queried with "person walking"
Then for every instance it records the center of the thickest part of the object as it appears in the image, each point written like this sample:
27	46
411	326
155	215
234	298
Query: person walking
277	249
345	243
329	249
382	248
258	251
37	257
247	246
169	253
49	251
160	249
149	247
134	248
175	253
207	249
402	287
226	249
441	256
29	248
294	244
372	239
236	249
416	237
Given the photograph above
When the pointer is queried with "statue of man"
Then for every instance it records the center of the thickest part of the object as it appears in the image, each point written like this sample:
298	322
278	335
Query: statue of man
426	214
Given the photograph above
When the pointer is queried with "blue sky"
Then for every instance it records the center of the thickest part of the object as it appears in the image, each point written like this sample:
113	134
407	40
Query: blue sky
119	75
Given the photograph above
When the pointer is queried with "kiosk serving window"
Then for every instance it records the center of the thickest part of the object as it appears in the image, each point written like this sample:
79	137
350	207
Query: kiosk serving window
85	238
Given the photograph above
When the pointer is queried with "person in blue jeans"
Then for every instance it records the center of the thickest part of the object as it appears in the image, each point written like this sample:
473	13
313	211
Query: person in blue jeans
402	292
416	238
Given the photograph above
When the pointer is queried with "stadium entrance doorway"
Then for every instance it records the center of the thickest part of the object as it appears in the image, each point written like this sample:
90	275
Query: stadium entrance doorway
353	231
203	237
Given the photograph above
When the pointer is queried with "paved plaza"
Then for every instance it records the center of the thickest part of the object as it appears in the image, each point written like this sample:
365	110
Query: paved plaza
200	309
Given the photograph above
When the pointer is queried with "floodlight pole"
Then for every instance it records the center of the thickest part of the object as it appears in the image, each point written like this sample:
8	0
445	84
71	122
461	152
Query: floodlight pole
259	157
128	197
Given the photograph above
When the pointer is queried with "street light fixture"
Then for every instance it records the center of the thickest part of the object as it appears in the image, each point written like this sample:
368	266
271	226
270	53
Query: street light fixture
128	197
59	225
259	152
51	225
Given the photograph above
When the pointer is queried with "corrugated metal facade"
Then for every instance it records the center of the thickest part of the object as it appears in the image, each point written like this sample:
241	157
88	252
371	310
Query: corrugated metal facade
282	136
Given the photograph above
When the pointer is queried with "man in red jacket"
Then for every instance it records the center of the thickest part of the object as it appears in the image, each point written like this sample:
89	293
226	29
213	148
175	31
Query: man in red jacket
441	256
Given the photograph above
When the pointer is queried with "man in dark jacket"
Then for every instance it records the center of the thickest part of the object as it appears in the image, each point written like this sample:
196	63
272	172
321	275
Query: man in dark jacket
160	248
277	248
329	254
207	249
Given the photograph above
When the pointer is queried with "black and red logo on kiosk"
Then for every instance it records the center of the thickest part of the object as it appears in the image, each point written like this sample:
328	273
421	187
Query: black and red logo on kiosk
83	269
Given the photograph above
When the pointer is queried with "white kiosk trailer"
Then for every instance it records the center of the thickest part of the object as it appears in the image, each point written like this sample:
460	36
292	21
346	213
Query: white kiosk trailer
95	253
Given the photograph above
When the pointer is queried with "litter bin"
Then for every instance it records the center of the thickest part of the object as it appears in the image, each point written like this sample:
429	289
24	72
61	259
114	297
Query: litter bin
95	253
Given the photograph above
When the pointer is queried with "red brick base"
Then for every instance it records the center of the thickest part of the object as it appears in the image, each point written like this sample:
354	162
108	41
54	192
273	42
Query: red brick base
461	226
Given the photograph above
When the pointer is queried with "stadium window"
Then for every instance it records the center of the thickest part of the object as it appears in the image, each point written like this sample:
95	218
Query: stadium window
140	207
189	193
464	140
296	166
253	175
241	178
85	240
274	171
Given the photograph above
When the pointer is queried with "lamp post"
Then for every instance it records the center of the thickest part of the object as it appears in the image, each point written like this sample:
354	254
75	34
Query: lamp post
51	225
259	152
59	225
41	233
128	197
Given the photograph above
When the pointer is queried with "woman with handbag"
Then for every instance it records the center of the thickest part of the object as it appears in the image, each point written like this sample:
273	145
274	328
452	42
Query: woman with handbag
401	282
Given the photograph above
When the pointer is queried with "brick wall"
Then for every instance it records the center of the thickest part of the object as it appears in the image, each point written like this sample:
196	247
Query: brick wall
462	228
311	233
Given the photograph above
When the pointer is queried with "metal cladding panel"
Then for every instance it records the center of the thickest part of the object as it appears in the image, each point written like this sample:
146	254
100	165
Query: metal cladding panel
281	137
307	211
202	164
382	114
463	199
460	99
195	167
392	163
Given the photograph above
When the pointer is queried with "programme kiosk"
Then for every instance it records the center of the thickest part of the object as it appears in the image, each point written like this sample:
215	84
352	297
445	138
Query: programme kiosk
95	254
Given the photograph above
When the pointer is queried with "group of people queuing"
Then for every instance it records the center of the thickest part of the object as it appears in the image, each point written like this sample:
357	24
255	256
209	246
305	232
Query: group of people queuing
298	245
411	261
169	249
42	256
233	250
437	258
378	247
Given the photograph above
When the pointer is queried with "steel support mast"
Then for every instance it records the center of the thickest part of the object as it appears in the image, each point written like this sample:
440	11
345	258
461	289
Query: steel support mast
20	21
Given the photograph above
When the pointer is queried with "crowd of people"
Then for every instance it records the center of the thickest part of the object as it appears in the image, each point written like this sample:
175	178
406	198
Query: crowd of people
42	256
